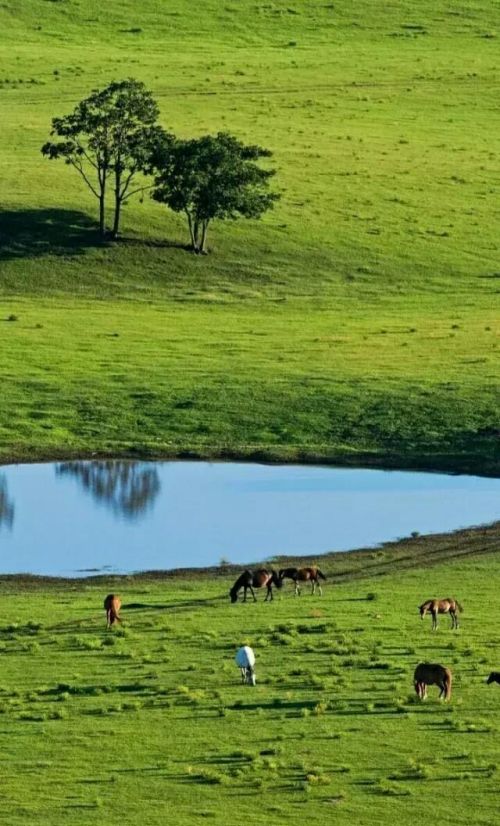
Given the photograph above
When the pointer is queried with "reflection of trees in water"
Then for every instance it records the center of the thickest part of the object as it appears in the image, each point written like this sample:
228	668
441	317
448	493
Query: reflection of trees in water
6	505
127	488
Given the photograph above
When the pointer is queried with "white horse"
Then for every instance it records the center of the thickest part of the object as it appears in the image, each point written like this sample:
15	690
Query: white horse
245	660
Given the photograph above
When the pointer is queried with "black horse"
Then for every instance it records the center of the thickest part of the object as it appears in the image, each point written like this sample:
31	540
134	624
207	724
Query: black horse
249	580
494	677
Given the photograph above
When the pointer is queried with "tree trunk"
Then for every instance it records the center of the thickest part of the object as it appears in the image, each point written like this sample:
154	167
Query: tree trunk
118	204
116	221
196	235
191	230
102	225
204	228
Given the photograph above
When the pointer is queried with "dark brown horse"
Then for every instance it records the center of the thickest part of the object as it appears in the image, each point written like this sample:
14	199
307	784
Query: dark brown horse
432	674
494	677
312	575
441	606
112	605
248	580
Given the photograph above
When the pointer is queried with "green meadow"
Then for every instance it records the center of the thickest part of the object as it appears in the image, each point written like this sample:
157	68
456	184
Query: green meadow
149	723
357	322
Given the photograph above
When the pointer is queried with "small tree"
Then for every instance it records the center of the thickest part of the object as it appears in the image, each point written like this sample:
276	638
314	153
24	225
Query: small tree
212	177
108	139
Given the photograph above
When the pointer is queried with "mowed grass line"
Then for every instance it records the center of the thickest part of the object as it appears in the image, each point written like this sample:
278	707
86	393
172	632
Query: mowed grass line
359	317
151	718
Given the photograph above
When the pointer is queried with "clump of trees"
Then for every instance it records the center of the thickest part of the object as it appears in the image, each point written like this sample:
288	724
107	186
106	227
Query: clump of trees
113	140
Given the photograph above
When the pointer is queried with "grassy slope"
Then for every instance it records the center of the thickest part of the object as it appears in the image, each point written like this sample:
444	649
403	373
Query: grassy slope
358	319
102	724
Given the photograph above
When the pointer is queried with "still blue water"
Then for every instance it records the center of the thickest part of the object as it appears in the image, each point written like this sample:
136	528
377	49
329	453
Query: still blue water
73	518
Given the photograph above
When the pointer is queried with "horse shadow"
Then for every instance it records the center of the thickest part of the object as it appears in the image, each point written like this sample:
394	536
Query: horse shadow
31	233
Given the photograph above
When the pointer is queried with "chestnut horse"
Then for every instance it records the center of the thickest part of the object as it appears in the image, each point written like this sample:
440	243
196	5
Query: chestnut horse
249	580
312	575
432	674
112	605
441	606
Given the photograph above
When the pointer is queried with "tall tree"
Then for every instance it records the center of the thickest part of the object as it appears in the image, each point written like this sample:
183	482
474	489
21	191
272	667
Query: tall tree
108	139
213	177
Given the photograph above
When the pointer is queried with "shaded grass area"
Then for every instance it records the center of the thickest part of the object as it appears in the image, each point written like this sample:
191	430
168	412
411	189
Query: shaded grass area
151	718
106	378
356	322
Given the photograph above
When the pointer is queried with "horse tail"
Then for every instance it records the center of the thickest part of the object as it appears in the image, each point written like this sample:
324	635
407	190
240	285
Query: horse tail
320	574
459	606
447	683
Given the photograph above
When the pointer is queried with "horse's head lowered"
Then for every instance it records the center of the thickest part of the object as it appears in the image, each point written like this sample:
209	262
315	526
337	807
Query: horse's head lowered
276	579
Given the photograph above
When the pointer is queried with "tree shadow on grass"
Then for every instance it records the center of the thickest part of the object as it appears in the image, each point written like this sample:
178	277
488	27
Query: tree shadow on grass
30	233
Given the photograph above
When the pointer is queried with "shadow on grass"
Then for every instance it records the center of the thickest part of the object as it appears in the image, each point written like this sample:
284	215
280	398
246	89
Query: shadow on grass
30	233
173	606
156	243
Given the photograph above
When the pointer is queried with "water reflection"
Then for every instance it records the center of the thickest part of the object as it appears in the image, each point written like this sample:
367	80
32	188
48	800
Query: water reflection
6	505
128	489
78	516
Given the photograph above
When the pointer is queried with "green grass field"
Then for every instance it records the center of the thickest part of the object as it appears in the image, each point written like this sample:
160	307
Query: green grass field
356	322
149	722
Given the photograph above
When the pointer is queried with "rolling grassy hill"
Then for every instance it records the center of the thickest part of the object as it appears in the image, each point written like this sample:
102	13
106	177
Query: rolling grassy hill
149	722
357	321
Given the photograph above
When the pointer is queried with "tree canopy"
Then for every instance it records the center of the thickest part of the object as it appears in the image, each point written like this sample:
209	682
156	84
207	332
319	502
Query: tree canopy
108	139
212	177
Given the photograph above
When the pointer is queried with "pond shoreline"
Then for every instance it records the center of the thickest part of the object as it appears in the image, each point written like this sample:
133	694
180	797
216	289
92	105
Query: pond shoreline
341	566
321	456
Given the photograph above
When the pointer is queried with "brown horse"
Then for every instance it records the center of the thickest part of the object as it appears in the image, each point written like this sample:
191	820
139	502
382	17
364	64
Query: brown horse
432	674
441	606
494	677
249	580
312	575
112	605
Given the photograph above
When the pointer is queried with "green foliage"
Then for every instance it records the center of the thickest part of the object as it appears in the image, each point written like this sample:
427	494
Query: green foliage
108	138
212	177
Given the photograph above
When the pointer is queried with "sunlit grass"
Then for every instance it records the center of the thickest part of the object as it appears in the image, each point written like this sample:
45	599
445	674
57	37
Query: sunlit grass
356	320
153	718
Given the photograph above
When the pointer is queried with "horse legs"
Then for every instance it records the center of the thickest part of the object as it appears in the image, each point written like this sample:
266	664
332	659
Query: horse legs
421	690
253	593
454	619
269	594
434	621
297	589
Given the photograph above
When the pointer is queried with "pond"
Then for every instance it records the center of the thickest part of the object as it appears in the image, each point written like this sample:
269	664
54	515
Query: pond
77	518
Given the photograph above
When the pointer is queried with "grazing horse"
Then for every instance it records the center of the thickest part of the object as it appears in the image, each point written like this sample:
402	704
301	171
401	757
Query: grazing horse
245	660
249	580
441	606
112	605
494	677
312	575
432	674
